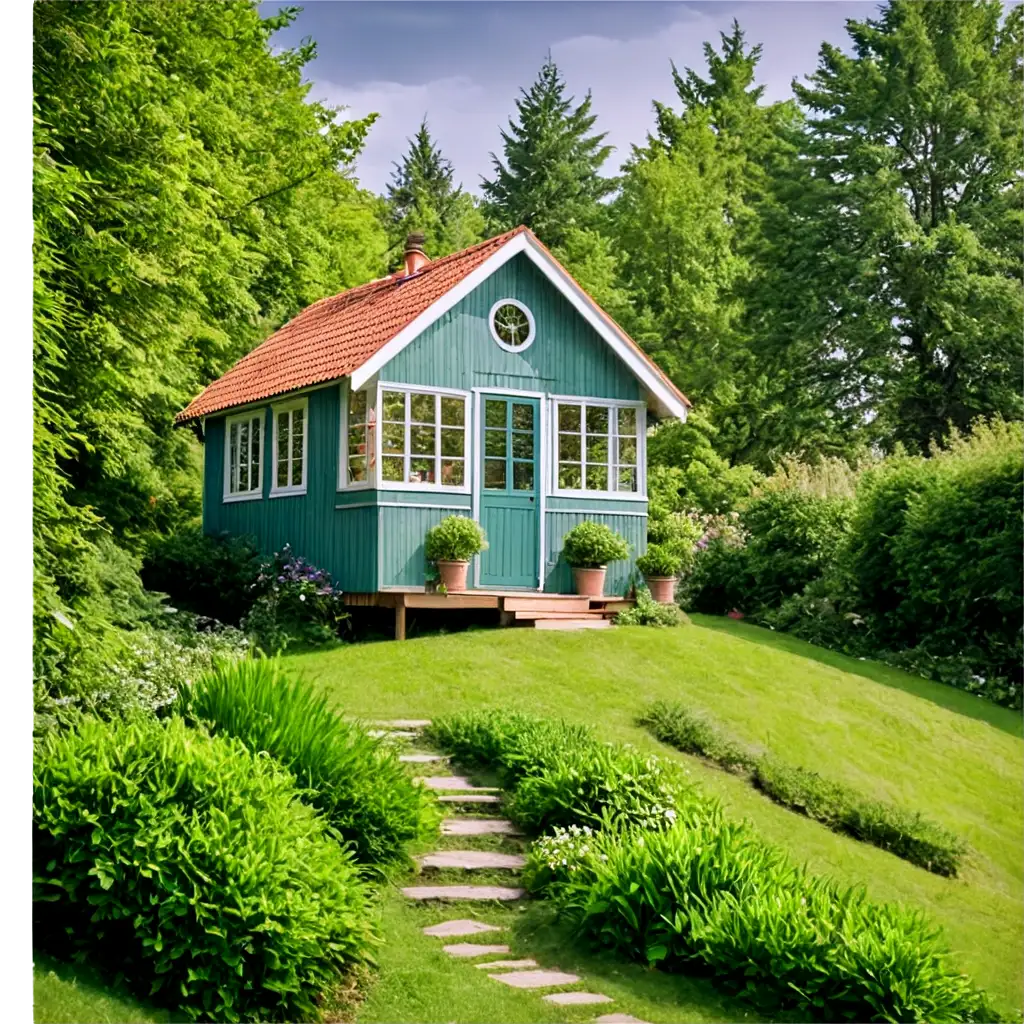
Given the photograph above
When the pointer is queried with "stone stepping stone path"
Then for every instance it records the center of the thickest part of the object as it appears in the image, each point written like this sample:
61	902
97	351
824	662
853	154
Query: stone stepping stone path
472	860
391	734
522	973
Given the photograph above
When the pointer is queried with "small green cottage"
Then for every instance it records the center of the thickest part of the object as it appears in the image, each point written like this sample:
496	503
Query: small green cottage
486	383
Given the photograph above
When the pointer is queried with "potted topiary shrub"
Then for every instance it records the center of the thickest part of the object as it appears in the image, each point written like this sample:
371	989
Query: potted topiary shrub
588	548
451	544
660	567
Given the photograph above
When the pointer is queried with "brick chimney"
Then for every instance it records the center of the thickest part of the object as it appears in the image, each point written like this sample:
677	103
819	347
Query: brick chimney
415	258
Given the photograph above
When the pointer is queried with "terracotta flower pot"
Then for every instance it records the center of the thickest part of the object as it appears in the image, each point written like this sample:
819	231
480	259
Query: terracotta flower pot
453	575
589	582
662	588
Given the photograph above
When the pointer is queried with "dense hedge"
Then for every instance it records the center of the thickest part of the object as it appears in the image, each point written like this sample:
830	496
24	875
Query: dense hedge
193	867
356	780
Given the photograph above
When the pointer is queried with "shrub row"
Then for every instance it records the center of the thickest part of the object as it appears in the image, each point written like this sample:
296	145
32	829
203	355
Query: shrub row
191	864
712	896
354	779
842	809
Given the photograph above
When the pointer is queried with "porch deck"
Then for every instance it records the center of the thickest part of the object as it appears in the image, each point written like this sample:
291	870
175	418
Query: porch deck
515	607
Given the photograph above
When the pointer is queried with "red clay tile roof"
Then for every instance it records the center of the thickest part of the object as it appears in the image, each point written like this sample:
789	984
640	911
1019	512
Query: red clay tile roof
335	336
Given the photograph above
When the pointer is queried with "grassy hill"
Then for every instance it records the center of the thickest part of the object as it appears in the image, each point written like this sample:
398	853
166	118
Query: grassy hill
954	757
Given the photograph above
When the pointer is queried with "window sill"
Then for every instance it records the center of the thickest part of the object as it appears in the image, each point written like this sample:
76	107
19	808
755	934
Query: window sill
230	499
291	492
395	485
599	495
368	486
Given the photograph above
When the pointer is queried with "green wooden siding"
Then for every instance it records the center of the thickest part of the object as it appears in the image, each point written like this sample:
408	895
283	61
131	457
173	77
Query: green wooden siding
403	531
567	357
558	575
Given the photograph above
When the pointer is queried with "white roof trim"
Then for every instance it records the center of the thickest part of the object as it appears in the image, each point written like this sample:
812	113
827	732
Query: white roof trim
663	399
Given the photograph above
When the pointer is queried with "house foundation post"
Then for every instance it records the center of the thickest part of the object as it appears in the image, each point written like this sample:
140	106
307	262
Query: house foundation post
400	617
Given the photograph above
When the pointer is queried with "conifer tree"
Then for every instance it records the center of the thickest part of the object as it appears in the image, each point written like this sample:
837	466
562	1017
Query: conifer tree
549	179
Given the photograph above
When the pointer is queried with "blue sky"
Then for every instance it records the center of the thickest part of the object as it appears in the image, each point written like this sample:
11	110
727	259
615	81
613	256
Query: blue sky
462	63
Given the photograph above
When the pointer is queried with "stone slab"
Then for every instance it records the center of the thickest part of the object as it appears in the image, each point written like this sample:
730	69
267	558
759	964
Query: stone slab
478	827
507	965
618	1018
405	723
454	782
462	892
536	979
469	798
463	926
470	949
392	734
421	758
576	998
472	859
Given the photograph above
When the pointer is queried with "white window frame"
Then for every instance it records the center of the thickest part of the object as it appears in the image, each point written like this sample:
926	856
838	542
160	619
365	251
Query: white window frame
641	446
403	485
254	415
276	409
531	334
371	468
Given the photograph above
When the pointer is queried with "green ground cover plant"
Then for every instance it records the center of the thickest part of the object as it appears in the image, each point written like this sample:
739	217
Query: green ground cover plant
354	779
905	833
190	865
648	612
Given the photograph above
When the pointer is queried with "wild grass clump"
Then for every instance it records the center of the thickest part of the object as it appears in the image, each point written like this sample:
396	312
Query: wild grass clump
905	833
191	864
648	612
354	779
711	895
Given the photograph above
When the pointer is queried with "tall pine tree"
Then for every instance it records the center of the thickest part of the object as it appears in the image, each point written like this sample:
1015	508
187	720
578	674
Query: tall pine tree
549	179
423	196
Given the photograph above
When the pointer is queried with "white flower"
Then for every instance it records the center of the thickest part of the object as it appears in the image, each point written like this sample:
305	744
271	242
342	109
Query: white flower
302	597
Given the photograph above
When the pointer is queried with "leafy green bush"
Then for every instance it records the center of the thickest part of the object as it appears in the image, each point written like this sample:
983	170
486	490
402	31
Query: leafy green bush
455	539
904	833
355	780
210	576
591	545
648	612
192	864
712	895
659	561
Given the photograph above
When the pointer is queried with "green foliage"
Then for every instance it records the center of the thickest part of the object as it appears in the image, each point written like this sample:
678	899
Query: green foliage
549	178
906	834
590	545
712	895
211	576
648	612
191	864
659	561
354	780
455	539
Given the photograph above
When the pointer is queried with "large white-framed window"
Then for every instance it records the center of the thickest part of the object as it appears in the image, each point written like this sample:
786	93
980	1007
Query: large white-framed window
423	440
599	448
358	441
243	456
291	429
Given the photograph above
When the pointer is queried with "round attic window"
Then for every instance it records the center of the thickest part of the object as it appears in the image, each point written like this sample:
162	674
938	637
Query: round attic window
512	325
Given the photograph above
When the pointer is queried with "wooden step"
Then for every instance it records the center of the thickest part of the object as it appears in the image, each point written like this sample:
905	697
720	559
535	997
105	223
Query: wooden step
547	603
528	616
610	605
574	623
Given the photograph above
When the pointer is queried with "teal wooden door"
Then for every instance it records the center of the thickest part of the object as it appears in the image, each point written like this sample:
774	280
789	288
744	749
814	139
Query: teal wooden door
509	469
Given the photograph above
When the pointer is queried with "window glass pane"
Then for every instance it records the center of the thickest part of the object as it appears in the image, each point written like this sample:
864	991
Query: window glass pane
256	429
597	420
627	421
233	460
597	449
297	442
569	447
522	476
297	418
423	408
597	478
282	449
494	413
392	468
357	407
453	411
357	468
453	472
627	450
357	440
297	471
282	473
522	416
421	471
522	445
394	405
569	476
569	418
243	456
494	474
393	437
627	478
421	440
453	442
494	442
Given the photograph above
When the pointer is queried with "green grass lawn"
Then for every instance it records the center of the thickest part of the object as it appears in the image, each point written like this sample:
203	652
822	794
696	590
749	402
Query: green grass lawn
952	756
